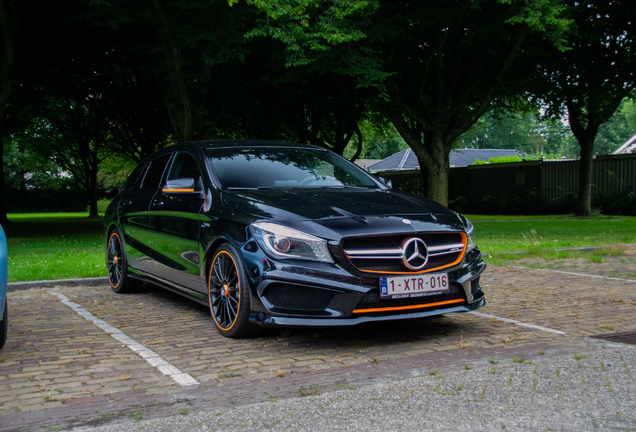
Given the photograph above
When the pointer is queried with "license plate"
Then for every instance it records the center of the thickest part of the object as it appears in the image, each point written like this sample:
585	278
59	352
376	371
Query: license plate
414	286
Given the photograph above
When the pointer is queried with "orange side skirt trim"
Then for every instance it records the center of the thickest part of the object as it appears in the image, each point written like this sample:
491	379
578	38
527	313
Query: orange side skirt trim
397	308
177	190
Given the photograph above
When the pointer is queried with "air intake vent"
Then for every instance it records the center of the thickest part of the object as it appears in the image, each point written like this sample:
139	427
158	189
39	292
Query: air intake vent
297	297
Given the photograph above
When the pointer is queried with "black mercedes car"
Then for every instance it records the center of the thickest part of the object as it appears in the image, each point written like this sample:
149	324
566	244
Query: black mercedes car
279	234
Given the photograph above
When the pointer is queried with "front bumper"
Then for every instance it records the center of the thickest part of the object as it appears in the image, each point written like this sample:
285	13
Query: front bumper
274	321
309	294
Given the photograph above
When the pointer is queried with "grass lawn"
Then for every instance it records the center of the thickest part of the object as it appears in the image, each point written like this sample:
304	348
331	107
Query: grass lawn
70	245
54	246
542	236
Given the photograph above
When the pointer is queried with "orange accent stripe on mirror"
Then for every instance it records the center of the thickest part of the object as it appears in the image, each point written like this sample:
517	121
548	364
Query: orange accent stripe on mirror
177	190
397	308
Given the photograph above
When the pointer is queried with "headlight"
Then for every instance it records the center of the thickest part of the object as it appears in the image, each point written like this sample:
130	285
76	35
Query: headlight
283	242
470	234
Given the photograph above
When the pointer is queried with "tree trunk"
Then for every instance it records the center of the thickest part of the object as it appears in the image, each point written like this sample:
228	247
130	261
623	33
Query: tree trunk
180	108
93	211
92	192
584	202
434	159
359	148
585	137
432	154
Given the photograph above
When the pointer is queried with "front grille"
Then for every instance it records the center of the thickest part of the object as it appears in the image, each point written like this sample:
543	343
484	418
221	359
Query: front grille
383	254
372	299
296	297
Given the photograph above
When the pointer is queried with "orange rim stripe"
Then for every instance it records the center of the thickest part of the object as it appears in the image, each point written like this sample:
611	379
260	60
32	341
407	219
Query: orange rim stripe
397	308
177	190
113	234
457	261
238	308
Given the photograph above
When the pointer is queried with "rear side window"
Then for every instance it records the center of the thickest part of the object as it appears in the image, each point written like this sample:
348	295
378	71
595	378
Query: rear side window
155	172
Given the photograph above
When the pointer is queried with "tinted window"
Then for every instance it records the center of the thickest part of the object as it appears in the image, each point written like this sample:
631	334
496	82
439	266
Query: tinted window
134	181
284	167
184	166
155	172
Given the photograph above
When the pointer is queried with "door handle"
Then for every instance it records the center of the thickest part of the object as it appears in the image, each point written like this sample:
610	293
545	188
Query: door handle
157	202
126	202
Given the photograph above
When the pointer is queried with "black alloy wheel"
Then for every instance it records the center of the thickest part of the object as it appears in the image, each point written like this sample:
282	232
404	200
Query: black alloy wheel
228	296
117	266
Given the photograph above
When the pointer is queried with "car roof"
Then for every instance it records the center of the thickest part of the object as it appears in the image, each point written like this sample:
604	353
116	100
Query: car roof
226	143
247	143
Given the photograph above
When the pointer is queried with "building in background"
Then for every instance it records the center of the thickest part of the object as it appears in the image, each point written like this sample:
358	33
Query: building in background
628	147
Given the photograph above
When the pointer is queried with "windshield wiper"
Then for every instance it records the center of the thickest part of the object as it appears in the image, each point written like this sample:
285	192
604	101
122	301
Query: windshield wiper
244	188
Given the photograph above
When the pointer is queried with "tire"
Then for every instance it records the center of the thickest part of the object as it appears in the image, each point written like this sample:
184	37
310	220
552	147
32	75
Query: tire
228	294
4	325
117	266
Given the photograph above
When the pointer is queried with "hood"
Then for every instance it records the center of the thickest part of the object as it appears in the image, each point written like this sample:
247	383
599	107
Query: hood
334	213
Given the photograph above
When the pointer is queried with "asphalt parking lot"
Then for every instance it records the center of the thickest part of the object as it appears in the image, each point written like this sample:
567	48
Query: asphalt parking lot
84	357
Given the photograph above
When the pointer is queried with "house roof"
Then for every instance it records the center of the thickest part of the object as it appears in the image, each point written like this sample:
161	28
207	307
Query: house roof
628	147
366	163
407	160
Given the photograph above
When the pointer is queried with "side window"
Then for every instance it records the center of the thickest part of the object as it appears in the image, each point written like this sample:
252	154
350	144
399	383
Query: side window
155	172
184	166
134	181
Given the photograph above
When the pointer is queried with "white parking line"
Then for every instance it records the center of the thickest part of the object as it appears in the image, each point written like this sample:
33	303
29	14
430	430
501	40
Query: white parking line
575	274
518	322
155	360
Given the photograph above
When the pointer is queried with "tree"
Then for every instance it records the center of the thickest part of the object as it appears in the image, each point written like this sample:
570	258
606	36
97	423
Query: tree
192	39
589	81
618	129
73	136
132	102
525	131
19	21
449	61
440	63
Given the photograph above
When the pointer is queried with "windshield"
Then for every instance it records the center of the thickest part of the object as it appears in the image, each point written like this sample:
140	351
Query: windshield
284	167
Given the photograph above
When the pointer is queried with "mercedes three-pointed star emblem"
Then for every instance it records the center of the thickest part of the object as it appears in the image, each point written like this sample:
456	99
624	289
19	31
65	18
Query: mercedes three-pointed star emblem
414	253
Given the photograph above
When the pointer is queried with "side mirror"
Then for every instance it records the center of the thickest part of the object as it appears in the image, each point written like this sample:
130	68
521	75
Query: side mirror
181	185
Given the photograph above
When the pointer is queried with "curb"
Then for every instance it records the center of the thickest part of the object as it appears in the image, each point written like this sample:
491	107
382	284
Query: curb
20	286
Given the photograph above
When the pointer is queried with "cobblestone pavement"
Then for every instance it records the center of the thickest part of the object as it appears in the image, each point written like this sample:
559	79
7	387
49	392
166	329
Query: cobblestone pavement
60	368
576	392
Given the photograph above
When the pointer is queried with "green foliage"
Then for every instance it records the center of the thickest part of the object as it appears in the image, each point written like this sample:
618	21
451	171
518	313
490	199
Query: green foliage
618	129
500	159
25	167
114	171
524	131
102	205
381	140
618	204
310	25
546	17
515	203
